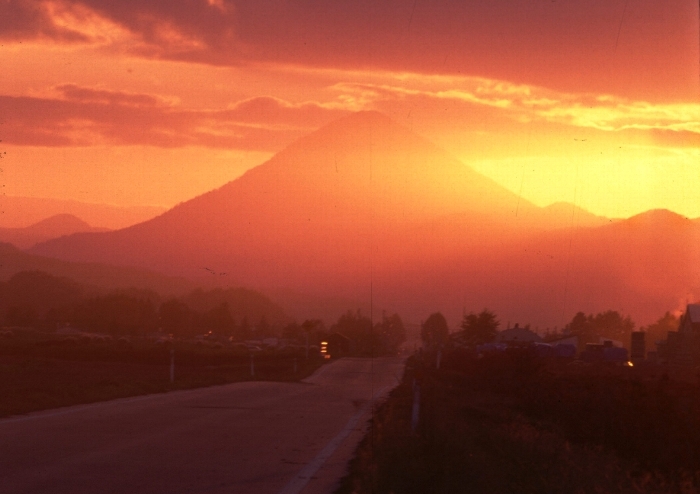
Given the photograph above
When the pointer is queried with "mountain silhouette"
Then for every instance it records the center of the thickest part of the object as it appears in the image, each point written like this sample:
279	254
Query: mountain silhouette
53	227
365	208
13	261
21	212
322	207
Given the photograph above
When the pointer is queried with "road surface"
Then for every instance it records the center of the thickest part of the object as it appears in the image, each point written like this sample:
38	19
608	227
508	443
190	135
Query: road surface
253	437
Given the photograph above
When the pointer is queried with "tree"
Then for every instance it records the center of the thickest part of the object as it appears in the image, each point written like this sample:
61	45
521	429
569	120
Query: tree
434	330
312	331
263	328
582	327
20	316
245	330
659	330
611	324
116	313
293	332
359	329
219	320
481	328
391	333
175	317
608	324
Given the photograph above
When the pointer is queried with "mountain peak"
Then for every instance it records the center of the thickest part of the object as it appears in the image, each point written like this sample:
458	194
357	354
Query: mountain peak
62	221
359	132
659	217
365	117
316	205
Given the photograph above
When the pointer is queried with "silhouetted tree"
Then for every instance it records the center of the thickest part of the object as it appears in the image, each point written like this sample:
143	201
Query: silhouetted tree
658	331
608	324
175	318
218	320
478	329
293	332
36	293
391	332
434	330
117	313
581	326
20	316
241	303
313	331
359	329
245	330
263	329
612	325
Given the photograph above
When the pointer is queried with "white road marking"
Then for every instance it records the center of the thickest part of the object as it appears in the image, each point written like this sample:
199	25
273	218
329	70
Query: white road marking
302	478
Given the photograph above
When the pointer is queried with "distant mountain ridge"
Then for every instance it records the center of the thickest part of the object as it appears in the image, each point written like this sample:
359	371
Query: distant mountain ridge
313	212
567	215
13	261
21	212
365	208
53	227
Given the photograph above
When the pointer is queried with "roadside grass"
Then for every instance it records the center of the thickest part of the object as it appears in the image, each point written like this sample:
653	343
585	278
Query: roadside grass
513	423
36	375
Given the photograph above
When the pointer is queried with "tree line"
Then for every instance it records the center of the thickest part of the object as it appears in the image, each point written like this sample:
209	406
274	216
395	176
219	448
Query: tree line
43	301
37	299
480	328
366	338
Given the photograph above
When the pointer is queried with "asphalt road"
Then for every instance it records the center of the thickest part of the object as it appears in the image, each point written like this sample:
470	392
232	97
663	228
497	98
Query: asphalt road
254	437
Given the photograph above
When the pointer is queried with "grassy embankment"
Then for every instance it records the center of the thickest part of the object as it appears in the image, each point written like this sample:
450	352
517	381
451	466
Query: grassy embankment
514	423
41	371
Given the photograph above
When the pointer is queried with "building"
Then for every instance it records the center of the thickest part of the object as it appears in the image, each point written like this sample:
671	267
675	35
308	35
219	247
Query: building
517	336
682	347
690	321
638	345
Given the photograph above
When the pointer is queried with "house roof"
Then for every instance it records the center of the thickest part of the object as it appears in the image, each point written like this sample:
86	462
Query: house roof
693	311
518	334
565	340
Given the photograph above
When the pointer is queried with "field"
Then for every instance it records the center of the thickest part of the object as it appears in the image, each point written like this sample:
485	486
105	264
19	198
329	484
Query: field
512	422
40	371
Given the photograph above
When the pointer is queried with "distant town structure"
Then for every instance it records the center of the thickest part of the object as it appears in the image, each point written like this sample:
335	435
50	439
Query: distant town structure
638	346
564	340
690	321
606	351
518	336
682	347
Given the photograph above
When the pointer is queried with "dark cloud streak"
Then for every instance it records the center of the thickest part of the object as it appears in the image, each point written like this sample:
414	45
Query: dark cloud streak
87	121
575	45
27	20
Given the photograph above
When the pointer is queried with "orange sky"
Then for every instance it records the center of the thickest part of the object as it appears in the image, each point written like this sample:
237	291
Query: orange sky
595	102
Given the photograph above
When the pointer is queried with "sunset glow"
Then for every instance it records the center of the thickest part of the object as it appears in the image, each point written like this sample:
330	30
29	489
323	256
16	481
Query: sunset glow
143	103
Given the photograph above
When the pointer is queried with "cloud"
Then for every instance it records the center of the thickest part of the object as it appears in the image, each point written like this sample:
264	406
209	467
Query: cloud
56	20
89	116
574	44
24	19
677	122
73	92
276	111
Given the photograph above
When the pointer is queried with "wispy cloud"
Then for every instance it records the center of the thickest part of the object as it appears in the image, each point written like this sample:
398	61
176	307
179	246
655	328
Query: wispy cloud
56	20
530	103
82	116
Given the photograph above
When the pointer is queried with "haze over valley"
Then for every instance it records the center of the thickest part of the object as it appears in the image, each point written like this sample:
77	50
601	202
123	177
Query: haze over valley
364	208
243	242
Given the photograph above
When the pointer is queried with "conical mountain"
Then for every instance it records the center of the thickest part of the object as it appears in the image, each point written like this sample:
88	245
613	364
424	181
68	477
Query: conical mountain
363	208
331	206
53	227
